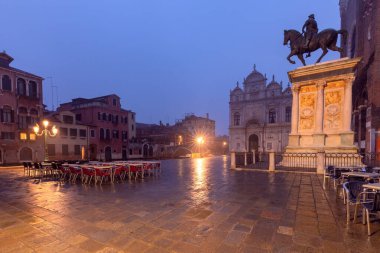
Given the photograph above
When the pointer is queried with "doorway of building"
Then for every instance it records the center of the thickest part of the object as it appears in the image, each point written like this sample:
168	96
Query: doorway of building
124	153
26	154
108	154
253	142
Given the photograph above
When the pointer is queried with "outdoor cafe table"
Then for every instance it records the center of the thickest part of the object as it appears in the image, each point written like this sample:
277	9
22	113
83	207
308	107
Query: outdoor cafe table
364	175
350	168
375	186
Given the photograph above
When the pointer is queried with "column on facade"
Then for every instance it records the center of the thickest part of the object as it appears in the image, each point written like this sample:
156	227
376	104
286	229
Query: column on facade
347	109
295	104
320	106
361	134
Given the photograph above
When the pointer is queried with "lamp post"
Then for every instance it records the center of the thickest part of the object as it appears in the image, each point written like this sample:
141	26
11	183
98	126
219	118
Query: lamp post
45	132
224	147
200	141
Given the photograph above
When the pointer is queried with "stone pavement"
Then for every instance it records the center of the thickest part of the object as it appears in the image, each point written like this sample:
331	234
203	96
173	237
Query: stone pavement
196	205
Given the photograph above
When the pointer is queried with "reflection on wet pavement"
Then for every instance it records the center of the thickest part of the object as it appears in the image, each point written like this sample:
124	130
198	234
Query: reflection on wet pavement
196	205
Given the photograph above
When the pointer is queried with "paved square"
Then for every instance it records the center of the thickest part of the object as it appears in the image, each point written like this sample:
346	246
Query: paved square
196	205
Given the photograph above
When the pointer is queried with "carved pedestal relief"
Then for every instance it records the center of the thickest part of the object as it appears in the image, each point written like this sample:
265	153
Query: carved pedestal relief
307	98
333	108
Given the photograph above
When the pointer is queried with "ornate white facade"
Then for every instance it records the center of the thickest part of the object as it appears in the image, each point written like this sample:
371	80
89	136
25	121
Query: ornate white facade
260	115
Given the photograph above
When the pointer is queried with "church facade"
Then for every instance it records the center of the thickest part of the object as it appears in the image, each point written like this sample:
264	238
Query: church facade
362	21
260	115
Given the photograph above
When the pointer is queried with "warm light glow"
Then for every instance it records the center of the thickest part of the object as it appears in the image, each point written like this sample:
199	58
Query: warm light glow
54	130
200	140
23	136
45	123
224	143
32	137
36	128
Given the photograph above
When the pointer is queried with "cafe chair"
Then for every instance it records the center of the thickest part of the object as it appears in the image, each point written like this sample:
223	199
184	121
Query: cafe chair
352	191
370	201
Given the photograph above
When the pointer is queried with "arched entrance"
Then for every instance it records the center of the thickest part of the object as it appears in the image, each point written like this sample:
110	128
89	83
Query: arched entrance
108	154
253	142
145	150
26	154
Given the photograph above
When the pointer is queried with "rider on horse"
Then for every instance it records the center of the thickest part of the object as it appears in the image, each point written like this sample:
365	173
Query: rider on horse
311	27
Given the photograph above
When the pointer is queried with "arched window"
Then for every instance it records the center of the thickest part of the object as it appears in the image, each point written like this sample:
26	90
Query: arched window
32	89
236	119
288	114
109	117
101	135
104	116
21	87
6	83
108	136
23	119
7	114
272	116
33	116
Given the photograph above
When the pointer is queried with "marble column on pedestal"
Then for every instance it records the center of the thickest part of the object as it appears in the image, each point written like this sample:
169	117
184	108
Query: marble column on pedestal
294	136
319	136
347	136
347	113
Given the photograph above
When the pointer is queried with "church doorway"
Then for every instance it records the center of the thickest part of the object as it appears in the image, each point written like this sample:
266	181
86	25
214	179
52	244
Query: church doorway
253	142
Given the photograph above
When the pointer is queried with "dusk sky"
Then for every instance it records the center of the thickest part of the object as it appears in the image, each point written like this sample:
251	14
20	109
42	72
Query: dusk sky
164	58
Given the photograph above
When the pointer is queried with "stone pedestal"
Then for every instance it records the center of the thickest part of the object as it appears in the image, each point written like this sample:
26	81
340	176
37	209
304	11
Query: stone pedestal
322	108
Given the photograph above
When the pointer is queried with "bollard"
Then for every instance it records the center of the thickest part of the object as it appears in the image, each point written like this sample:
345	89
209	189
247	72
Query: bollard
233	160
271	161
245	159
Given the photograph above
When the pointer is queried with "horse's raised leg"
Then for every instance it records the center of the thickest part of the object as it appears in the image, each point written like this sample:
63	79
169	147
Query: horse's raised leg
300	56
336	48
290	55
323	54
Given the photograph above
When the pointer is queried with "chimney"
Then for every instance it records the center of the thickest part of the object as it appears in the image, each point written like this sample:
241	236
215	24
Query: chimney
206	115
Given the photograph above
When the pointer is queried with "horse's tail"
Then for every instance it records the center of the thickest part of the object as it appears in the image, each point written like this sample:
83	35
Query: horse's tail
344	34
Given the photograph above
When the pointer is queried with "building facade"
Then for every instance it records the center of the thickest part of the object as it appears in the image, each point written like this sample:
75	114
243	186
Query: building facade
20	108
110	126
71	141
192	126
260	115
361	18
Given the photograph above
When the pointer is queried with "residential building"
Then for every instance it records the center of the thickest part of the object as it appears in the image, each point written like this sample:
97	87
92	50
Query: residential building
260	115
362	21
110	126
192	126
20	108
72	140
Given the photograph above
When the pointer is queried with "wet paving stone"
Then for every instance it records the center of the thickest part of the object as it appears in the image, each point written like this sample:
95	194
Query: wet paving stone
193	206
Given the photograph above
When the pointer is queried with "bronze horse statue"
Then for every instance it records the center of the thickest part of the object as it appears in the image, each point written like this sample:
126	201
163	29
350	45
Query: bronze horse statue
325	40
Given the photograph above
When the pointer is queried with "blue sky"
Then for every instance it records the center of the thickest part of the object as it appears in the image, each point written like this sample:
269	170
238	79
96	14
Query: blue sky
164	58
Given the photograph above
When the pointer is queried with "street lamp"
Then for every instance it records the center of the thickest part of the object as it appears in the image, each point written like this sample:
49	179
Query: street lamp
200	140
45	132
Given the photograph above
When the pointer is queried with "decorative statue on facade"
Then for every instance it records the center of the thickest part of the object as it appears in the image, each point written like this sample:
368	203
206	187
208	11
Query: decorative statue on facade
310	40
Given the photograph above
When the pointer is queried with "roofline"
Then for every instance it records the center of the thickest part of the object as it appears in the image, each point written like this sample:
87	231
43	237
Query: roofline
22	72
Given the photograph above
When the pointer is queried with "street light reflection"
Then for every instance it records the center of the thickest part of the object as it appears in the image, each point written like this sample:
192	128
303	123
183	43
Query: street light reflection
200	191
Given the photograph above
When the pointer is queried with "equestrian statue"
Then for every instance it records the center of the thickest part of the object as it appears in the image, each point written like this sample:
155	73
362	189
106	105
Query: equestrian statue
310	40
